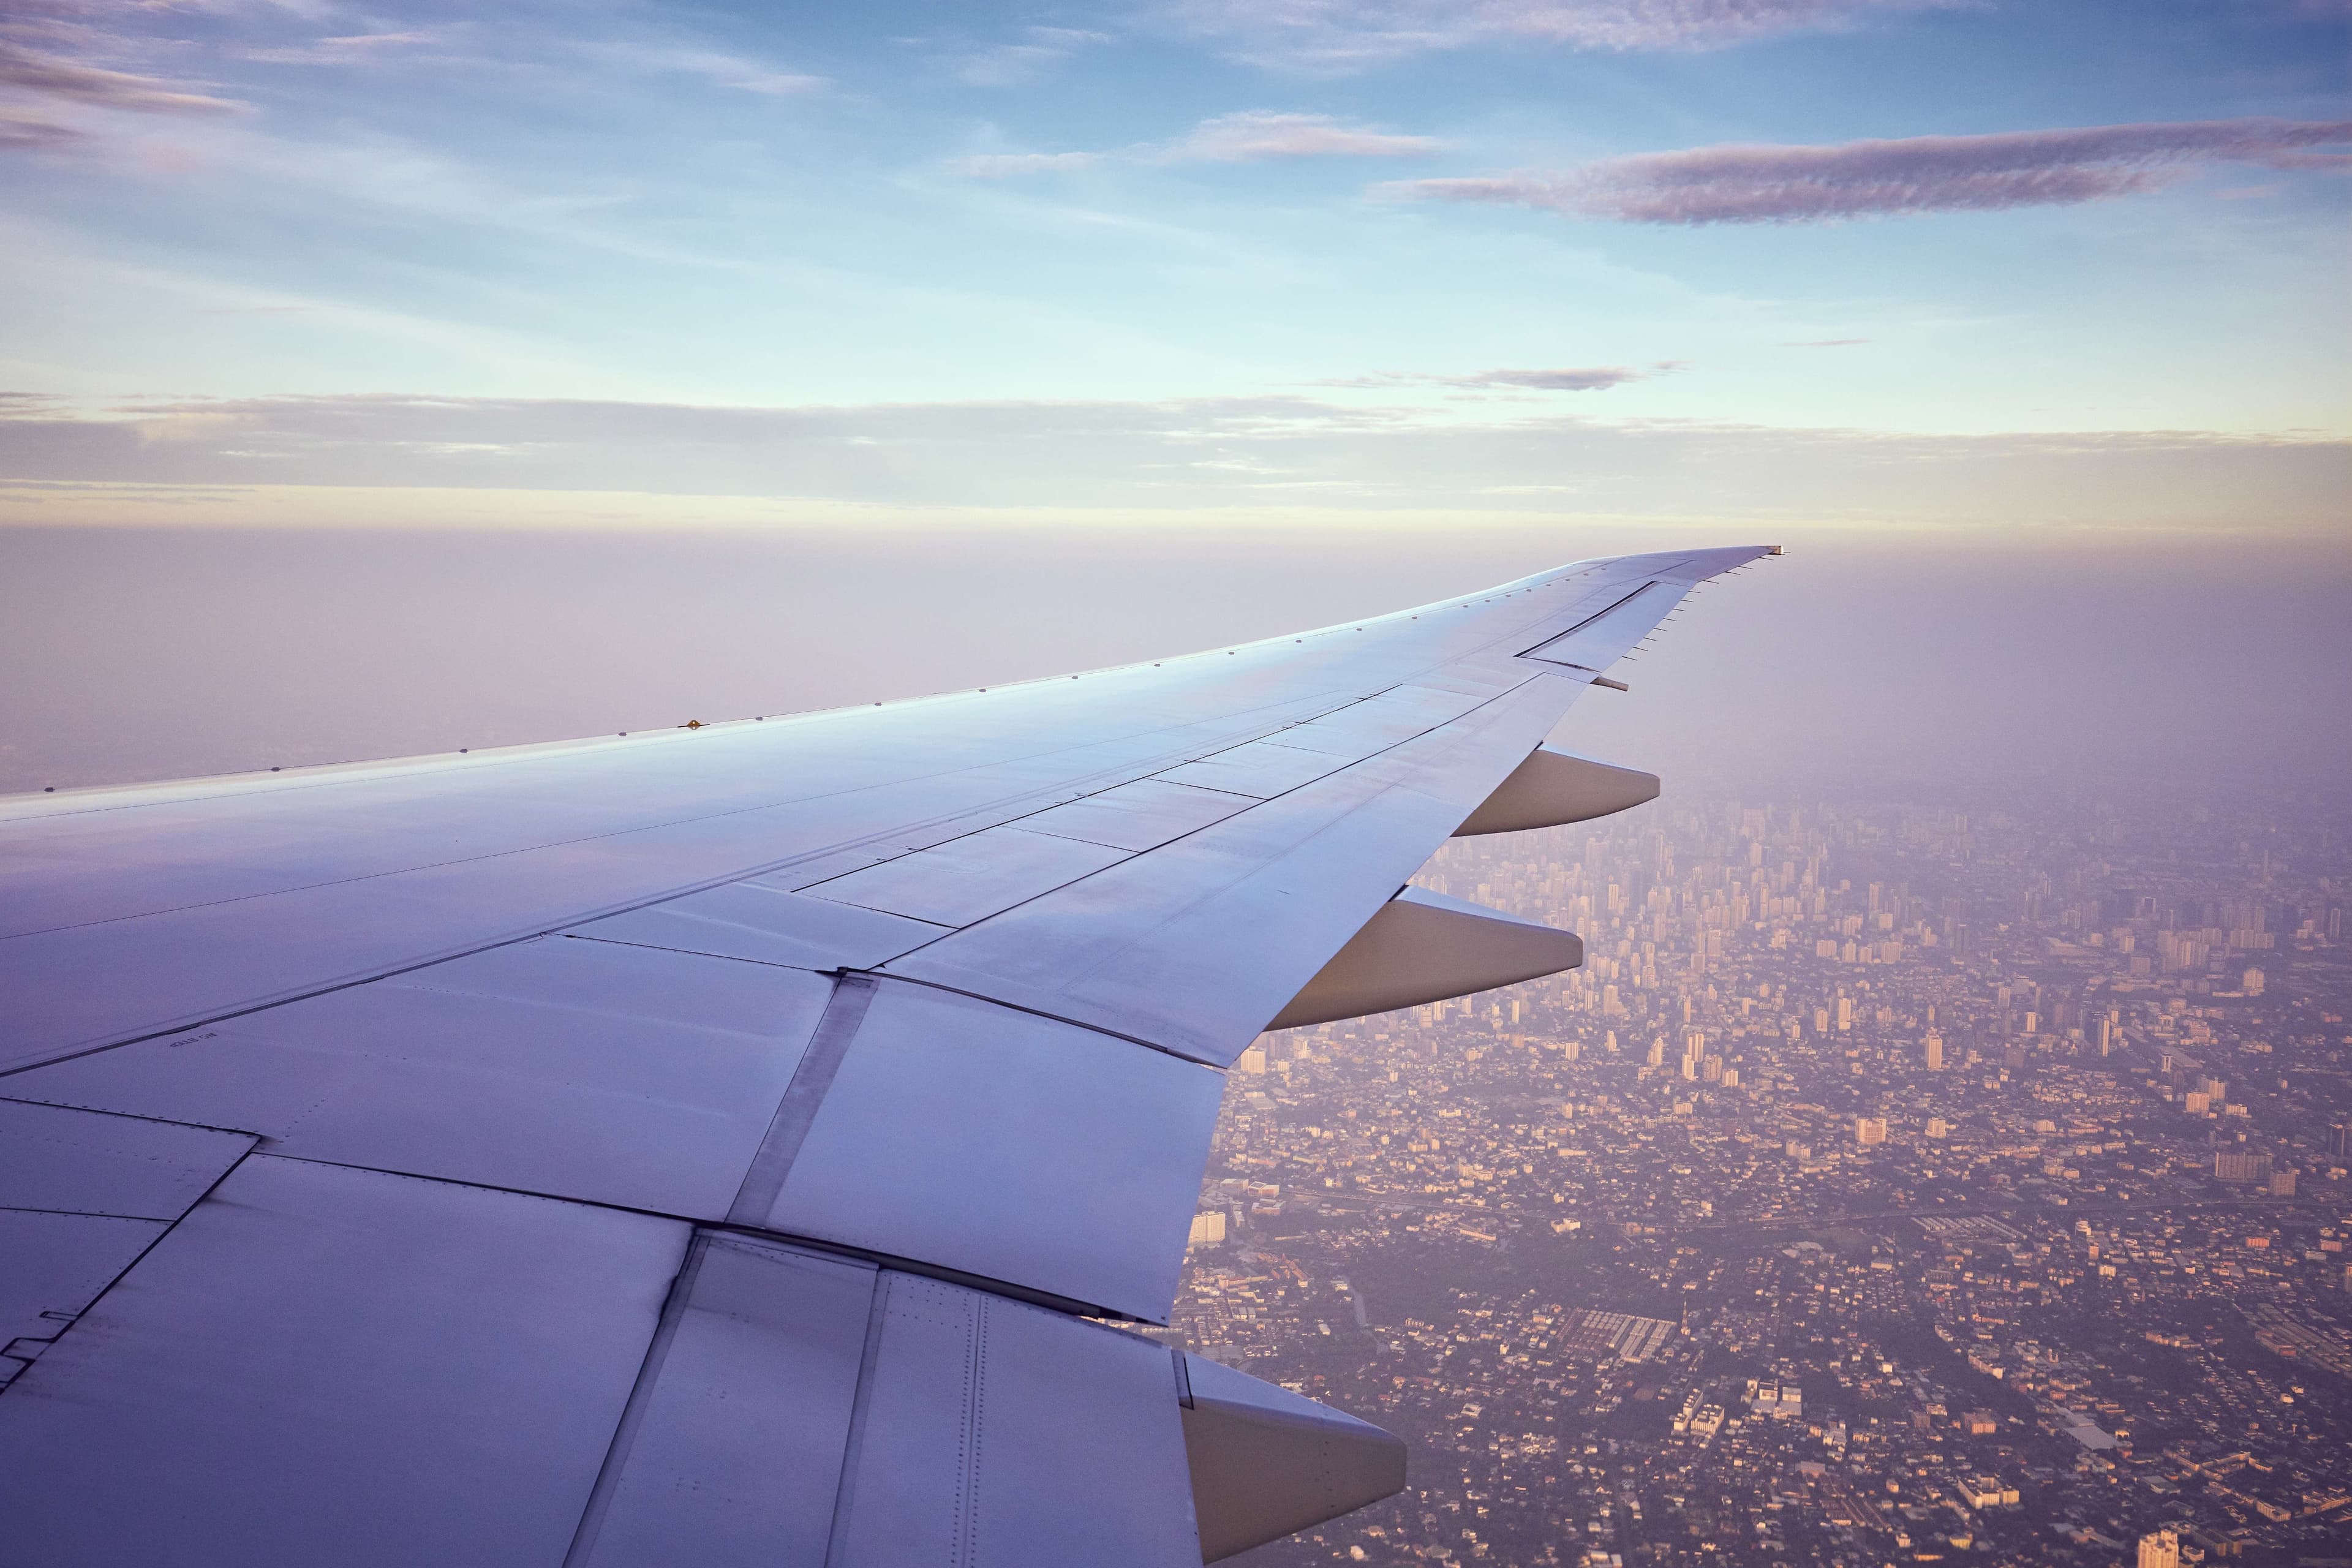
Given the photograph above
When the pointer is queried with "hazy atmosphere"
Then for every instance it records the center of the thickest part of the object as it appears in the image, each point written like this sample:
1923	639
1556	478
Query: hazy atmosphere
1933	656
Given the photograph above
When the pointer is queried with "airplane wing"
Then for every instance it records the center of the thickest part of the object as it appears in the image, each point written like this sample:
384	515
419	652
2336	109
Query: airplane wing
739	1143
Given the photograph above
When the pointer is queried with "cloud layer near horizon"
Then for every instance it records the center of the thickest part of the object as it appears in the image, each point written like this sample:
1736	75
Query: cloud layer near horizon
1915	174
1197	456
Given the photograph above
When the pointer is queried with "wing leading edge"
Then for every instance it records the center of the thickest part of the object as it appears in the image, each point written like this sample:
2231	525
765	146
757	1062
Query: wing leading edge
739	1143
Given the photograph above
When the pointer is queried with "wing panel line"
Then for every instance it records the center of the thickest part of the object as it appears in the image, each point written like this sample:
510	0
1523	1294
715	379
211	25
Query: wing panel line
796	1112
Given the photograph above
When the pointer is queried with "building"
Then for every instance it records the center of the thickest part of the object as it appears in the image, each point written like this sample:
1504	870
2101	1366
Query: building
1208	1229
2230	1167
1984	1492
1869	1130
1934	1048
2159	1549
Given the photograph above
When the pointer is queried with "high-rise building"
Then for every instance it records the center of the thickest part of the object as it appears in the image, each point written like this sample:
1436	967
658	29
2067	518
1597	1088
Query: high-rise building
1934	1048
2339	1140
1208	1229
2282	1183
2232	1167
1938	1128
1869	1130
2159	1549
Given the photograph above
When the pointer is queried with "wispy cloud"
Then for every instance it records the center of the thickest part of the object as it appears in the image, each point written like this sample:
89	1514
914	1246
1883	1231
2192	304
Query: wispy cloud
351	50
52	76
1917	174
1345	35
21	132
1588	378
1018	65
1007	165
1255	134
1250	136
714	66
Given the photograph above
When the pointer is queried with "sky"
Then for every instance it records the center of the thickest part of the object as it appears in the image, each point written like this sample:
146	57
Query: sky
976	255
1242	311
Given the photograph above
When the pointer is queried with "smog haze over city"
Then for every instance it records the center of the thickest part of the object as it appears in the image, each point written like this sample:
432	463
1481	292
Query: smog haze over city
1944	1153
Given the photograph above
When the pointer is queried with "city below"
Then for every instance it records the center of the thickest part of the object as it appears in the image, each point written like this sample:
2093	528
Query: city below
1892	1184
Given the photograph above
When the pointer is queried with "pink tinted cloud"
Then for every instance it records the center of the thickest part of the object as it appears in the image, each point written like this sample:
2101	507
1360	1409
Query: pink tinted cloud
29	134
1919	174
49	76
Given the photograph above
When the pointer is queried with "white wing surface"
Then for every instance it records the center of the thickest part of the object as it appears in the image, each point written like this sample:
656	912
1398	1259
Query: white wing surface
740	1144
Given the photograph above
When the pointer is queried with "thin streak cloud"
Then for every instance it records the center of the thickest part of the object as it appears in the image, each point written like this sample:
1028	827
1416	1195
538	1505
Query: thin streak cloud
1256	135
1250	136
1588	378
1917	174
1328	36
28	133
1018	65
47	76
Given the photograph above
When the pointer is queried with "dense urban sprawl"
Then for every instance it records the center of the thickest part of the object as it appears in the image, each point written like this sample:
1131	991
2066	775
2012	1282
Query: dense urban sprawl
1892	1184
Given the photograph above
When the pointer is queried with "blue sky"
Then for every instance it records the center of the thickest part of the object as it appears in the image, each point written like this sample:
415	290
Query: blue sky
245	245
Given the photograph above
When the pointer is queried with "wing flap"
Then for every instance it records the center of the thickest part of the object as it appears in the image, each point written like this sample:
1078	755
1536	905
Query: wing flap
589	1070
731	1453
321	1364
996	1435
1002	1146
